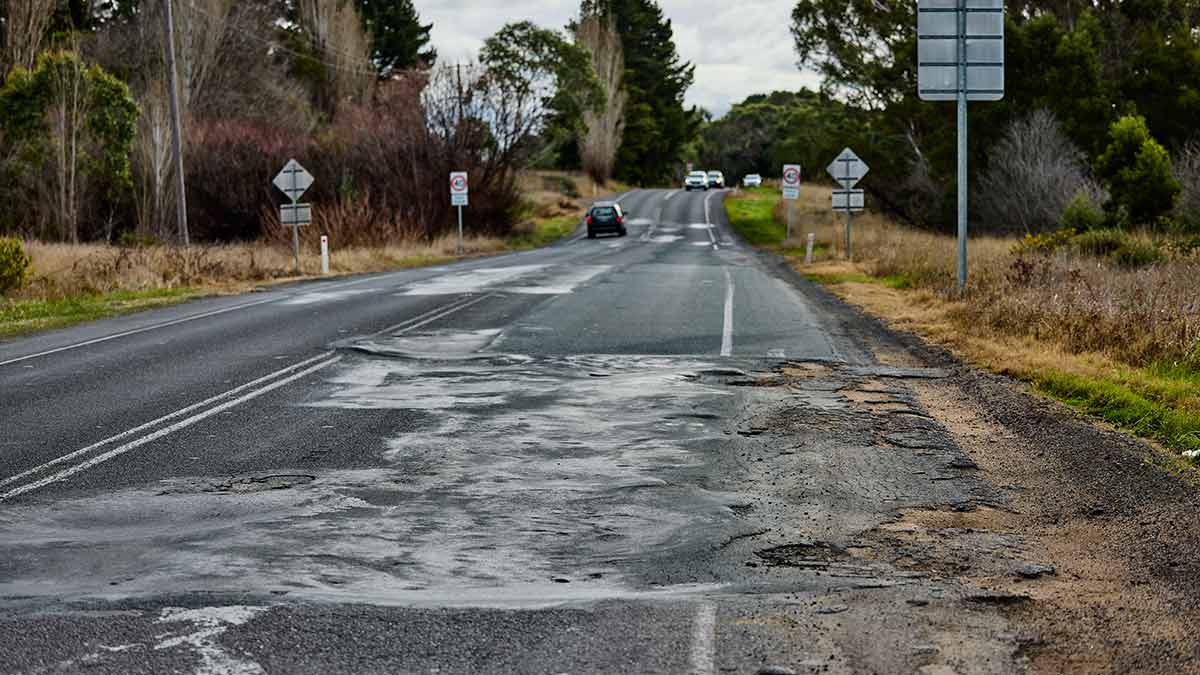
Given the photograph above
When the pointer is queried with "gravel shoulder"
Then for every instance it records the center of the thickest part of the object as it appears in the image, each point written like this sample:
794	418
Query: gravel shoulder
1110	519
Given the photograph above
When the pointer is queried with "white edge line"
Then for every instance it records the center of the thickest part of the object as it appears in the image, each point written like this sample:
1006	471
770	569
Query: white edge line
727	331
187	422
164	418
175	322
704	630
135	331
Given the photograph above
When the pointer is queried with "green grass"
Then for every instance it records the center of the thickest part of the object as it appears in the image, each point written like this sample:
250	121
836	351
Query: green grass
898	281
27	316
1147	413
753	216
546	231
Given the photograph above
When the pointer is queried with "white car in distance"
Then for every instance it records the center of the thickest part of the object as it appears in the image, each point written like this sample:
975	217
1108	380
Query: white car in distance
696	180
716	179
752	180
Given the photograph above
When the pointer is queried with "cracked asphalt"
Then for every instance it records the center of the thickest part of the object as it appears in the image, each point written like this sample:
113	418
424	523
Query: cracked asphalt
658	453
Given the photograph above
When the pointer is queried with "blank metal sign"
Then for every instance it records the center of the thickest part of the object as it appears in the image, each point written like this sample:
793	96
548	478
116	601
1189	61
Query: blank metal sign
848	201
295	214
938	33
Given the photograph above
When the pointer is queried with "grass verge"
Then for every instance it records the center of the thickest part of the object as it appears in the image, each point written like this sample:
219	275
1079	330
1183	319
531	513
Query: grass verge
29	316
1090	367
71	284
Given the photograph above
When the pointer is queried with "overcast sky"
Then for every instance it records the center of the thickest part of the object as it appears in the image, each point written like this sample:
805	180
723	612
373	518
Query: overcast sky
739	47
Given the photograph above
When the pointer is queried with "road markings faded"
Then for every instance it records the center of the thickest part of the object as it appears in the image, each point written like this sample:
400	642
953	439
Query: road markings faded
704	635
182	424
210	623
727	331
432	315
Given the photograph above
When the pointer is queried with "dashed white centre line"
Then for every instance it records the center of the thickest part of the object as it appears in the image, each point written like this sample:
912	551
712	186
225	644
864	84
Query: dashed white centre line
727	331
704	633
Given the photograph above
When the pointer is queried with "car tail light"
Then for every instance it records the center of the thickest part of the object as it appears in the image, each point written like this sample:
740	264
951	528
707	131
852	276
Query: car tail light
589	220
620	219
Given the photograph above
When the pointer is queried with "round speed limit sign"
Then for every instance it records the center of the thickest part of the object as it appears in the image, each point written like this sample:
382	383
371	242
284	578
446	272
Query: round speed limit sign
791	175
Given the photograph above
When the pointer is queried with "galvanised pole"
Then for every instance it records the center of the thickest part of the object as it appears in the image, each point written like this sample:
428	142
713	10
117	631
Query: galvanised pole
962	146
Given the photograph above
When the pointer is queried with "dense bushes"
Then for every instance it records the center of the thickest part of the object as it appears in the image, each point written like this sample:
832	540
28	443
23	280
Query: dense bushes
381	170
14	264
1137	171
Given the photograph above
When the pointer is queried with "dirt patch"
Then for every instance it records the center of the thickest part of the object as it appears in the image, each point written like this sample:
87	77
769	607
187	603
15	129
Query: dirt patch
1102	609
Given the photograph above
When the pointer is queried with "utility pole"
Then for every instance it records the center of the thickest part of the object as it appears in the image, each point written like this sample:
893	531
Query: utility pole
176	133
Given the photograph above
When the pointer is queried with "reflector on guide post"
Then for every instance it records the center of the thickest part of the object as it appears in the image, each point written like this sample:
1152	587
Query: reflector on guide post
976	25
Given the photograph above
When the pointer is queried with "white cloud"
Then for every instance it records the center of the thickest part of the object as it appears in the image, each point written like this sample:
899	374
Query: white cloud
738	47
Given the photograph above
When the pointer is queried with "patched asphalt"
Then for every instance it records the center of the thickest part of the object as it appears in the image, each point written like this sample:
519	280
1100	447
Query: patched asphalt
657	453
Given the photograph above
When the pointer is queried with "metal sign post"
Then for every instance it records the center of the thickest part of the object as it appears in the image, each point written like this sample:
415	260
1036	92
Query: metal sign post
791	192
459	191
960	57
847	170
293	181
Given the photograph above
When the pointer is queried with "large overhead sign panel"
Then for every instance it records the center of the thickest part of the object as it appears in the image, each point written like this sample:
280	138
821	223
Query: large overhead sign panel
954	33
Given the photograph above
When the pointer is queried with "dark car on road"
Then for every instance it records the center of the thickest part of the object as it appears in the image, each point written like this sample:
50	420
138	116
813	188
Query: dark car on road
605	217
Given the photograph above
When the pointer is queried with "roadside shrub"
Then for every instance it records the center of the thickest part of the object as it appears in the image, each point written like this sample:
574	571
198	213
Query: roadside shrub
1136	253
14	264
1082	215
1100	242
1138	173
1033	174
1184	246
1045	243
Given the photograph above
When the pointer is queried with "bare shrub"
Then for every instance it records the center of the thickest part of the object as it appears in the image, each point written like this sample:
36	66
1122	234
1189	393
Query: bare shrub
1187	172
23	32
337	38
1033	172
604	128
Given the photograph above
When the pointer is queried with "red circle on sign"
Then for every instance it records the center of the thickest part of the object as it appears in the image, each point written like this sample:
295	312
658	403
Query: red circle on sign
791	176
459	183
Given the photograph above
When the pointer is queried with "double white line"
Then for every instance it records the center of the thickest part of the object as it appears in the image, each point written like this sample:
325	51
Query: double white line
86	458
97	453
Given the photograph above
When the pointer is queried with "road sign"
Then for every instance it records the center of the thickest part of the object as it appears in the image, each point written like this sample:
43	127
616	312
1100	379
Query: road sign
960	45
960	57
295	215
293	180
791	181
847	169
848	201
459	188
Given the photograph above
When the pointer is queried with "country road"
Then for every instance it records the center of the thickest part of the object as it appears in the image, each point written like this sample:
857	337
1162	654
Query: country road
657	453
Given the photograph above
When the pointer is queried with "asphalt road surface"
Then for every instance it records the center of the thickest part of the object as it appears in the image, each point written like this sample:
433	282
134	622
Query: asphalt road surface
656	453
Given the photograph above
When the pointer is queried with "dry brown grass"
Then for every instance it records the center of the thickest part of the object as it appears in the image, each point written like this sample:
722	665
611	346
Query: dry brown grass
1063	302
66	270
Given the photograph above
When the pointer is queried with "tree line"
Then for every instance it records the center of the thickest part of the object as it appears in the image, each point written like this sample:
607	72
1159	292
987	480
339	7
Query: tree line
1098	115
350	88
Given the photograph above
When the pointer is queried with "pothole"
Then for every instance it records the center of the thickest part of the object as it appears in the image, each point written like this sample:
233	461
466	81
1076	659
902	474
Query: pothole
238	484
804	554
